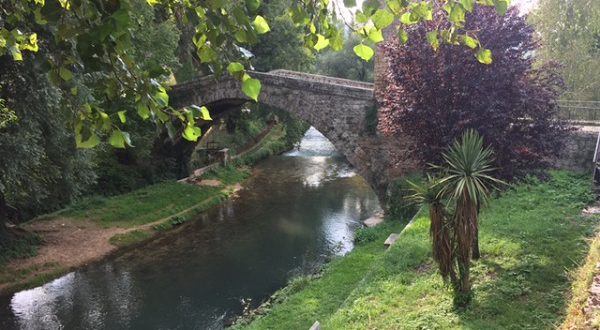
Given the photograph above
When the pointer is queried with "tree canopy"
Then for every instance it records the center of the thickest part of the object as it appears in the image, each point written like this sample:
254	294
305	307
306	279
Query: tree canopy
434	96
72	40
570	34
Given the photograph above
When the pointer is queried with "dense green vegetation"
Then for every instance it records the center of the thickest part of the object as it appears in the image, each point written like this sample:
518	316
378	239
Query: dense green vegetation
570	33
531	238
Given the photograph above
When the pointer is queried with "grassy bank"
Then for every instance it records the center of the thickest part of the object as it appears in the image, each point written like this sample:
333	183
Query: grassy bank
577	318
532	238
106	224
298	305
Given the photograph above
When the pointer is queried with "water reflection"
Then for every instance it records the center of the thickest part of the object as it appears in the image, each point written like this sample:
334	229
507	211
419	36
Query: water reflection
296	209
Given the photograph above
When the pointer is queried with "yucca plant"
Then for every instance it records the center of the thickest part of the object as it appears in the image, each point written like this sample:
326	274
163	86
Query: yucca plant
469	183
429	193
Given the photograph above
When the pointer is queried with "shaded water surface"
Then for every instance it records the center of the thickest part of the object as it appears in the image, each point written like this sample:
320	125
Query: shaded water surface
297	210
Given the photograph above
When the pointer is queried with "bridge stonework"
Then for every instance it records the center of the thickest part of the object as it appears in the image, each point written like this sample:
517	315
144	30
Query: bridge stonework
337	108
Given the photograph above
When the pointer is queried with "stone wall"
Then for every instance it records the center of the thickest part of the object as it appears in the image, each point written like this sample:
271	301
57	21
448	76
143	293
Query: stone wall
578	152
337	108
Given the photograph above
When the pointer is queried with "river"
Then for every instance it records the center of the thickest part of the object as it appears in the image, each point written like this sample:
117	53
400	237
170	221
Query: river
298	210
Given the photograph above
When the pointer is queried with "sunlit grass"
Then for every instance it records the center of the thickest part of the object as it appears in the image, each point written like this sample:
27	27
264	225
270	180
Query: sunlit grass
531	238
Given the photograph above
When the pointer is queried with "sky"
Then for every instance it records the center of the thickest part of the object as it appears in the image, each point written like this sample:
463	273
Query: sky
524	5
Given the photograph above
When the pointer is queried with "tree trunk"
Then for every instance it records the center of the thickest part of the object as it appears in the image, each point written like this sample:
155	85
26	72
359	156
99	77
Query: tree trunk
476	253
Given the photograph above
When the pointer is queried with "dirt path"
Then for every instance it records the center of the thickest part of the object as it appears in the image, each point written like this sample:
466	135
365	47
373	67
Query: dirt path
62	249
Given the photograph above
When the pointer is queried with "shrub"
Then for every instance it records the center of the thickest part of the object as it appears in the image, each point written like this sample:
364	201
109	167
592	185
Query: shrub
434	96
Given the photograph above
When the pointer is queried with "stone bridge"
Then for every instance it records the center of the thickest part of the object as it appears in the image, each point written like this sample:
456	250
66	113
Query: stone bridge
338	108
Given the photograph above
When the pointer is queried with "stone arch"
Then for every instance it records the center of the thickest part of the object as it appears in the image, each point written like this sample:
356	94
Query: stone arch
335	107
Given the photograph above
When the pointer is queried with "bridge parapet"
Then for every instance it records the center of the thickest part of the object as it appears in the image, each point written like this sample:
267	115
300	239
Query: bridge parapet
323	79
281	80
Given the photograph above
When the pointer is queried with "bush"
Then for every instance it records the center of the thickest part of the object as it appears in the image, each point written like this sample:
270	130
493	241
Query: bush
434	96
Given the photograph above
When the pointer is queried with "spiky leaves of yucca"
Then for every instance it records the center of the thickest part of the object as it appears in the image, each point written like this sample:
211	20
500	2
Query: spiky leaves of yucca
430	193
469	183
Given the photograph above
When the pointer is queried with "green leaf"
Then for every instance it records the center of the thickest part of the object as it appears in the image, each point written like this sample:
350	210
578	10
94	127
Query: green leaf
191	133
93	141
143	111
106	122
432	38
162	98
403	36
407	19
261	25
363	51
322	42
484	56
457	14
235	67
361	17
66	4
376	36
467	4
501	6
382	19
251	87
117	139
337	41
370	6
395	6
204	113
65	74
16	53
470	42
252	5
200	112
240	36
207	54
122	116
423	11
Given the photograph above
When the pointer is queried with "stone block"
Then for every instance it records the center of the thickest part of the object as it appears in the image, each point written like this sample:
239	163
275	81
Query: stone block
391	240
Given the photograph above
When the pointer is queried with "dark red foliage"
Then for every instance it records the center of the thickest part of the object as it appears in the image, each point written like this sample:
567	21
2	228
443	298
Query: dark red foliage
434	96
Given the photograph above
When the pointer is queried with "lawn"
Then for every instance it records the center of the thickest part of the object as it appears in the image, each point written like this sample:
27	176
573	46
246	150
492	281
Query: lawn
151	203
532	239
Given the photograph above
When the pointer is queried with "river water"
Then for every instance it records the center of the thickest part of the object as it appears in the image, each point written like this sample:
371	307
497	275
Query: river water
297	210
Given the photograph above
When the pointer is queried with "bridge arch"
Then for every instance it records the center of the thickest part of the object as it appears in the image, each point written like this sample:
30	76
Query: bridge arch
336	107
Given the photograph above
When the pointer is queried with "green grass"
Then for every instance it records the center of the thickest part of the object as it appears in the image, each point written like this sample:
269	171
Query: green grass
141	206
531	238
227	175
583	277
151	203
14	245
129	238
301	303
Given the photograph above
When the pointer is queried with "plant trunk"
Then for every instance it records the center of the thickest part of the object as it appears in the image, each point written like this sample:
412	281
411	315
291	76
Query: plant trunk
476	253
441	241
465	218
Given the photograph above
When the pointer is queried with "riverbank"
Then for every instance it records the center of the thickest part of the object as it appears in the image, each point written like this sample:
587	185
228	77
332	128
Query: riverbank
532	239
96	228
